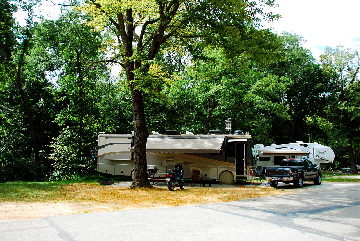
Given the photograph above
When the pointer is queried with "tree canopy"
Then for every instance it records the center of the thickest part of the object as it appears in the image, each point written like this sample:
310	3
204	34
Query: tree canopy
184	65
142	28
342	114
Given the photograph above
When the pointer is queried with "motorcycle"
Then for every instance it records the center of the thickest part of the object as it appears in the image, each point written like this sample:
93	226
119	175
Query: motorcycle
174	179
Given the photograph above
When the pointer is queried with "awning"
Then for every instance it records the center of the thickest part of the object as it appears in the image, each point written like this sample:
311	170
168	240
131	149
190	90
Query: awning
284	152
184	144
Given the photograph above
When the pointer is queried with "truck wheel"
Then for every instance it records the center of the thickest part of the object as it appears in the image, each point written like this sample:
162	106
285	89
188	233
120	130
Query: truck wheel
274	184
317	181
299	182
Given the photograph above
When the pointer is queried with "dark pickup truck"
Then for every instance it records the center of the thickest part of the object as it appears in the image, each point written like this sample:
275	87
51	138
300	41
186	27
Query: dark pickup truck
294	171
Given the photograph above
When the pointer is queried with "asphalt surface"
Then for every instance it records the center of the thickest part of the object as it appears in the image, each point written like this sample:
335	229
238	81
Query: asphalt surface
330	211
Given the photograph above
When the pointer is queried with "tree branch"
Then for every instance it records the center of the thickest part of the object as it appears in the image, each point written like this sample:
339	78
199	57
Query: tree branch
140	45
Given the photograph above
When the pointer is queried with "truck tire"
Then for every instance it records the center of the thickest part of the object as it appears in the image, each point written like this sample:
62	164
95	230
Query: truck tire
299	182
226	177
274	184
317	181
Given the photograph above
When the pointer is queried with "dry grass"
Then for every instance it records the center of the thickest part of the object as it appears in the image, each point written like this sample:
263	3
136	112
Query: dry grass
149	197
71	198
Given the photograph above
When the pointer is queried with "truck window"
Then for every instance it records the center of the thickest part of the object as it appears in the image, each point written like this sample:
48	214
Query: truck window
295	163
278	159
308	163
291	163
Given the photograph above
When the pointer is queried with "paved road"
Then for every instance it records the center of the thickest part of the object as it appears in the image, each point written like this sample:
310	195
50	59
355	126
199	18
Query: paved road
327	212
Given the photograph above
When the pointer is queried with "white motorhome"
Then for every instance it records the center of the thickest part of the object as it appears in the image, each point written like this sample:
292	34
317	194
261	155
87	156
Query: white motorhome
220	157
273	155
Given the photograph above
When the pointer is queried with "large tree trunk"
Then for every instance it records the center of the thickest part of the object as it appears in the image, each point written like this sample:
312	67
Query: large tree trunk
140	138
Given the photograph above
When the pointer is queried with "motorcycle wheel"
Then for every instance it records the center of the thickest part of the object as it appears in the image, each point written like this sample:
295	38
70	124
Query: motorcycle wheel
171	186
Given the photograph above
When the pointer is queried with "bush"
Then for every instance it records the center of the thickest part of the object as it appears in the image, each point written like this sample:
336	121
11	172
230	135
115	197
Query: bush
21	169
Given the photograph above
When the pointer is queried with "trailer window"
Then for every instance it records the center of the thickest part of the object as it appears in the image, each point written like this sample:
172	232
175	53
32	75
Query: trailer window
264	158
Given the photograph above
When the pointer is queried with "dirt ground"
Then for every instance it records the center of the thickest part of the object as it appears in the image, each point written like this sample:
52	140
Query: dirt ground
10	211
24	210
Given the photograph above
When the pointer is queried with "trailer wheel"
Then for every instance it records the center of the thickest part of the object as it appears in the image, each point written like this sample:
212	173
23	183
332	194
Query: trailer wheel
226	177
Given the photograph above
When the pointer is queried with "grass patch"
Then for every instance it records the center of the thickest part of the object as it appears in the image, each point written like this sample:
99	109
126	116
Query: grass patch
32	191
340	177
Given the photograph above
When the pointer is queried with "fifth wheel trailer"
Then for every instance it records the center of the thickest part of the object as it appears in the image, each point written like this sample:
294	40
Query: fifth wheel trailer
219	157
273	155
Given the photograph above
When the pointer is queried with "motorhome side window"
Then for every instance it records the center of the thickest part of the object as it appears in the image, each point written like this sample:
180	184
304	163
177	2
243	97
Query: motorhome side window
230	149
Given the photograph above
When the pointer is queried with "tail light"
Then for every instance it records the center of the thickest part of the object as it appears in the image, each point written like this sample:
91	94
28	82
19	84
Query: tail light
167	175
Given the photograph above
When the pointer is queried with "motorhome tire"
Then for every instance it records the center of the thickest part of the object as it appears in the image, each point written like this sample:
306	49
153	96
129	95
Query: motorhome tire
226	177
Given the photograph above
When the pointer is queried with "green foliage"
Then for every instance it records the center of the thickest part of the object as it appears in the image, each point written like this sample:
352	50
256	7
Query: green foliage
56	85
69	158
342	114
88	98
305	96
216	87
20	168
7	37
26	112
185	65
